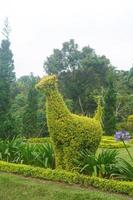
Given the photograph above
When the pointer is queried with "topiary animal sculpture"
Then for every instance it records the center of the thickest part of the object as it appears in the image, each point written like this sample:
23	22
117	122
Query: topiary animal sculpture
70	133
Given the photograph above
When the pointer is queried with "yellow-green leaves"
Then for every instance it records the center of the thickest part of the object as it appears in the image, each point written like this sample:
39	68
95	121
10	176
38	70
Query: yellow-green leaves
70	133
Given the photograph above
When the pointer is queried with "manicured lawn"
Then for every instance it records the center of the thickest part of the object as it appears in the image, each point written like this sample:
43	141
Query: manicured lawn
124	154
14	187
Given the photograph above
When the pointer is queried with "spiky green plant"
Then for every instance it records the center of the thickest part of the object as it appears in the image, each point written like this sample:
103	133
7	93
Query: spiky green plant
125	170
18	151
46	156
102	165
10	149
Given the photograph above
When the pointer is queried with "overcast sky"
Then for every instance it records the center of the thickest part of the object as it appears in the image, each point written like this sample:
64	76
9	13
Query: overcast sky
39	26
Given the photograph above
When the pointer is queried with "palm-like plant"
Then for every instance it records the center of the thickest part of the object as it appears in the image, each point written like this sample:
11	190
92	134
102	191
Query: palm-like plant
125	170
18	151
102	165
10	149
28	154
46	156
107	162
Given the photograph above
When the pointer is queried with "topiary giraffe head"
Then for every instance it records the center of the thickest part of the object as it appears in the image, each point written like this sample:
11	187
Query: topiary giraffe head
47	83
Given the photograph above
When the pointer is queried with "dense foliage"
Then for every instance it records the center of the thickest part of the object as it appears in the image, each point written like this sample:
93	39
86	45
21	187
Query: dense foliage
105	164
70	133
7	80
109	115
30	114
82	75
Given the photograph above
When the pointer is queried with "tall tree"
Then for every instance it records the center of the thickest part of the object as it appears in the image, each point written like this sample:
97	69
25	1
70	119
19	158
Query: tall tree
82	74
109	117
7	78
63	60
30	114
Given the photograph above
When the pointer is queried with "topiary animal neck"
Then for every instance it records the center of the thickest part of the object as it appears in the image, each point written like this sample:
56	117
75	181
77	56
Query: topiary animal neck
55	106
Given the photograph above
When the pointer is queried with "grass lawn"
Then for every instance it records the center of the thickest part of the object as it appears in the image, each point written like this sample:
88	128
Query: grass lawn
124	154
14	187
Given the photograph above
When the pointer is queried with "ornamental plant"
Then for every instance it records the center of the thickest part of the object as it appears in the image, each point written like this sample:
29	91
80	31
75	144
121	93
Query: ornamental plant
18	150
102	165
125	168
124	136
70	133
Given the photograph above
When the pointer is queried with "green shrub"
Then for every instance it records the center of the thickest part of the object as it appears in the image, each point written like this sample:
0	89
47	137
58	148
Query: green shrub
18	151
70	133
46	156
10	149
124	187
130	123
122	126
112	146
130	118
41	155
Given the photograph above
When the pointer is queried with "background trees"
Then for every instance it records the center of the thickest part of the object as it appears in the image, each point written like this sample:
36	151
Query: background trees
83	76
30	114
7	79
28	108
109	111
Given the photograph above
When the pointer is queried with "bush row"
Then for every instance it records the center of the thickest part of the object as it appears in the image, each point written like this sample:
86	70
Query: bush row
112	146
68	177
110	143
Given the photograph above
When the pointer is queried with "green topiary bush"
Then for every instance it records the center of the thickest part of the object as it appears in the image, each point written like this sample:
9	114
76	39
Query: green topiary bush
70	133
130	123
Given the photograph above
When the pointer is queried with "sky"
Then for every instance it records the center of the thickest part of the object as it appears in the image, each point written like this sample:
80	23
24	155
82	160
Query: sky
39	26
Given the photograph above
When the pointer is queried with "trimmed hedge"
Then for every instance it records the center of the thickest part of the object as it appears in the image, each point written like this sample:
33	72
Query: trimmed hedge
110	143
70	133
112	146
123	187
